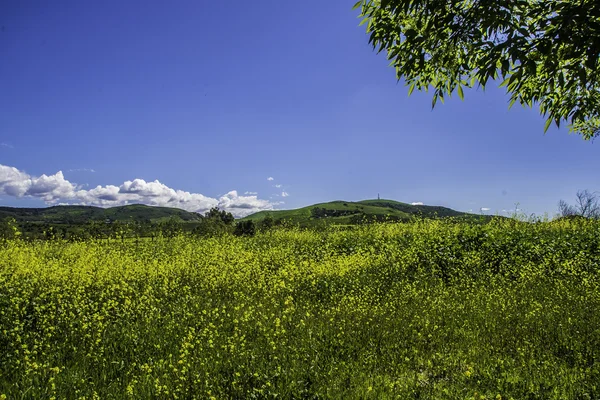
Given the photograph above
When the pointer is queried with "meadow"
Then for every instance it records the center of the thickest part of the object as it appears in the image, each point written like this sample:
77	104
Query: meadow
426	310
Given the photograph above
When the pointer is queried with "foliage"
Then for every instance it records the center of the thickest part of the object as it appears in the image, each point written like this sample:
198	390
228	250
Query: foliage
222	215
266	223
546	52
215	222
433	309
9	228
170	228
245	228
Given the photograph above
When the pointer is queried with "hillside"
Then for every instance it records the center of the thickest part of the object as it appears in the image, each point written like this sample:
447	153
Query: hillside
74	215
347	213
334	212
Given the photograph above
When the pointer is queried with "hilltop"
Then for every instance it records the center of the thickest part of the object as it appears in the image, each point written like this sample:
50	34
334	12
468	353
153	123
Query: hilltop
348	213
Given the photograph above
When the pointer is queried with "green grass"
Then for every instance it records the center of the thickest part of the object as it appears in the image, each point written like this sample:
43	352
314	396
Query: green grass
427	310
367	209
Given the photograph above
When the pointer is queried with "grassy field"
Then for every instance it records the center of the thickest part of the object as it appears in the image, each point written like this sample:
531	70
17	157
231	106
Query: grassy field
427	310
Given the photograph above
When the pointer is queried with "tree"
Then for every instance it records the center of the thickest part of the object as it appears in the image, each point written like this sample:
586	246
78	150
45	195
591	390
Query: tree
587	206
546	52
266	223
171	227
121	229
214	213
214	222
245	228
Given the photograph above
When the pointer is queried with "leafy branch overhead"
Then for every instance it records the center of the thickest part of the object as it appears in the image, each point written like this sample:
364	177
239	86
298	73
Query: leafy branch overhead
544	52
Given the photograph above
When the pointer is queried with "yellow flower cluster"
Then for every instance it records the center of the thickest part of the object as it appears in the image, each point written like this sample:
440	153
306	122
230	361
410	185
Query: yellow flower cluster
432	309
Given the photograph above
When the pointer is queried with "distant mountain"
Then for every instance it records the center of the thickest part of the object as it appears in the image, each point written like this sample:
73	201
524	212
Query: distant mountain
74	215
349	213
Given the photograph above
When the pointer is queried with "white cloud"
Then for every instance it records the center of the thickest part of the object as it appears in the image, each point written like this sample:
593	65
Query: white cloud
284	194
270	178
6	145
48	188
417	203
484	209
278	186
82	170
252	193
55	189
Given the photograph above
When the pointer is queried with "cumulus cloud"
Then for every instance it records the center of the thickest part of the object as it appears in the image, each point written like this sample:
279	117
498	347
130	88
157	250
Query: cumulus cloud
49	188
284	194
278	186
417	203
270	178
485	209
252	193
55	189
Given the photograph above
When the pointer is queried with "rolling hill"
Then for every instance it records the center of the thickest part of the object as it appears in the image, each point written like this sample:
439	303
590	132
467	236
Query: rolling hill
331	213
348	213
75	215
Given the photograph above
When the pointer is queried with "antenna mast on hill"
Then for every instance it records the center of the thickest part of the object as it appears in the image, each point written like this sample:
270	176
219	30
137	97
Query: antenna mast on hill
378	196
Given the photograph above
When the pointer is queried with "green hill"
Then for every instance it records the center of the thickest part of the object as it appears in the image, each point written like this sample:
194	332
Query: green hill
331	213
349	213
74	215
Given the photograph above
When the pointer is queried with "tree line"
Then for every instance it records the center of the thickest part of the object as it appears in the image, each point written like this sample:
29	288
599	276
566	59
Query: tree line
214	222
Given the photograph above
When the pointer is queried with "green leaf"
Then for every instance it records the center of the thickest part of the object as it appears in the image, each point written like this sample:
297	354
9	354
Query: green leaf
506	81
548	122
364	21
358	3
411	88
460	92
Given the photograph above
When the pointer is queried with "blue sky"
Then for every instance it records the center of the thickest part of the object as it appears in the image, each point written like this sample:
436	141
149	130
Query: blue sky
182	103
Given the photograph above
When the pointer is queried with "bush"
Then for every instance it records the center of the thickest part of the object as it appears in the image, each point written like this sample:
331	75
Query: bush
245	228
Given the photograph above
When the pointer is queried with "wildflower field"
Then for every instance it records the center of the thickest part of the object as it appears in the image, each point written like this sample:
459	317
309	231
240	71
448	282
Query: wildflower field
427	310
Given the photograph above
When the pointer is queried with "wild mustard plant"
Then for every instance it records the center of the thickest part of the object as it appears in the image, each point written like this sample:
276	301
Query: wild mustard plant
434	309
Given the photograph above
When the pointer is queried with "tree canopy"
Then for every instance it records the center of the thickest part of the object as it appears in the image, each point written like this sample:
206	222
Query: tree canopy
545	52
